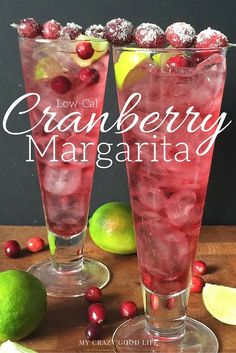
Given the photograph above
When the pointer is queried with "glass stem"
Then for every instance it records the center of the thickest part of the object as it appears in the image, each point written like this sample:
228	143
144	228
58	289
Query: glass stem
165	314
67	252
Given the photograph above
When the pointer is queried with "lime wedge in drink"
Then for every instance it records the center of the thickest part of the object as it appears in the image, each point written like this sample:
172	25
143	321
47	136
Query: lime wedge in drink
220	301
12	347
47	68
128	60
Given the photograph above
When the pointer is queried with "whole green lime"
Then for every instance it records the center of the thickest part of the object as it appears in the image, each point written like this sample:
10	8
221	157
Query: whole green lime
111	228
23	304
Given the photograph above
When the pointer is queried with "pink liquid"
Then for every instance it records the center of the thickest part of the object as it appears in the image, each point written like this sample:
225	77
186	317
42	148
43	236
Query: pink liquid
65	184
167	198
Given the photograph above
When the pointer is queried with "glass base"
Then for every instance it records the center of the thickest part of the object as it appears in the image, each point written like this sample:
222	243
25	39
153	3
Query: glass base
132	336
71	283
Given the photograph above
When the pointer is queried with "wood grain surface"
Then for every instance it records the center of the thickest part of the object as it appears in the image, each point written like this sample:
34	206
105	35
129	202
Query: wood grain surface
63	328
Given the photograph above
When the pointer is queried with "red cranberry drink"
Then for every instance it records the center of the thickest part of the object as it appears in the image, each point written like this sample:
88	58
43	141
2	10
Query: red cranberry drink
167	168
68	72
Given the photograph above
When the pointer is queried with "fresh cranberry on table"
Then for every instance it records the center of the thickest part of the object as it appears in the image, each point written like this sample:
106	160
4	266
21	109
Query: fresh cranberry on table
51	30
199	267
93	331
96	313
35	244
180	35
128	309
28	28
61	84
84	50
197	284
149	35
93	295
89	76
119	31
12	248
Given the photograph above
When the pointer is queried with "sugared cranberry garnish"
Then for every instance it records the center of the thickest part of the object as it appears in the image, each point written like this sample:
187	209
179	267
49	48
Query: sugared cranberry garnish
180	35
96	313
211	38
93	332
28	28
97	31
93	295
199	267
119	31
154	301
61	84
89	76
12	248
149	35
176	62
128	309
35	244
51	30
72	30
84	50
197	284
170	303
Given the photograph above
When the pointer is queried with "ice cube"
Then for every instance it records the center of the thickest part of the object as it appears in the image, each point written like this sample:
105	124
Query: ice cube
180	205
62	181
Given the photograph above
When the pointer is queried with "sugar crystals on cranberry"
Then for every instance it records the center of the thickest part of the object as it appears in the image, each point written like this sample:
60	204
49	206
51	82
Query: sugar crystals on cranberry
149	35
72	30
96	31
119	31
211	38
180	35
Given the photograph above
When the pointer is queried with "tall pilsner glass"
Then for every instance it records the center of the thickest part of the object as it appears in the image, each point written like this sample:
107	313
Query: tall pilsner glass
167	184
69	90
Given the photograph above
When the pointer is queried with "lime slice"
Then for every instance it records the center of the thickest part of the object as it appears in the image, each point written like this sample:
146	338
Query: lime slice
47	68
128	60
52	242
220	301
11	347
100	48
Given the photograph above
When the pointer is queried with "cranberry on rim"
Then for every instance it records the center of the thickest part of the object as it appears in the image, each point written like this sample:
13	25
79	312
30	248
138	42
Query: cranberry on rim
180	35
149	35
89	76
72	30
84	50
51	30
211	38
61	84
96	31
28	28
119	31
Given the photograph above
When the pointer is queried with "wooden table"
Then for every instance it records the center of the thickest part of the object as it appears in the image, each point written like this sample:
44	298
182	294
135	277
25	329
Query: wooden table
63	329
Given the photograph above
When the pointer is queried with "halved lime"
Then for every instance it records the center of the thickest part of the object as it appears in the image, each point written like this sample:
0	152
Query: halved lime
220	301
128	60
12	347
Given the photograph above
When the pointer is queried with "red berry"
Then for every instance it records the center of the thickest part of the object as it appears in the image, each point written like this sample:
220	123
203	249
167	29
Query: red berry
61	84
197	284
89	76
128	309
170	303
12	248
196	58
211	38
154	301
51	30
149	35
97	31
199	267
93	295
176	62
119	31
96	313
84	50
28	28
35	244
180	35
72	30
147	280
93	332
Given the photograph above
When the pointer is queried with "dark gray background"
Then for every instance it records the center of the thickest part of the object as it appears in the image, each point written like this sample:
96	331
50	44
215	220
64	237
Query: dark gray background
19	192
